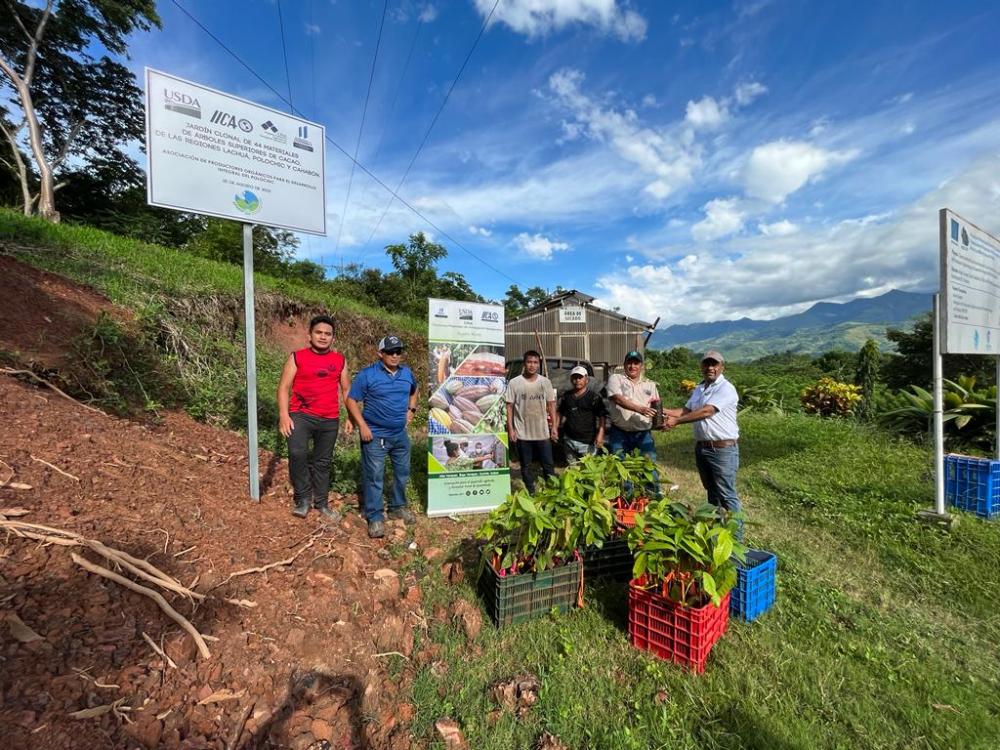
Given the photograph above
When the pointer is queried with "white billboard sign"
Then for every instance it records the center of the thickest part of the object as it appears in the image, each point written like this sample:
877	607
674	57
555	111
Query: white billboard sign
572	314
970	287
216	154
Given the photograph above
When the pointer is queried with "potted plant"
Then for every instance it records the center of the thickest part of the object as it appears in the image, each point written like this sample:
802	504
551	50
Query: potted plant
531	557
601	478
637	477
685	565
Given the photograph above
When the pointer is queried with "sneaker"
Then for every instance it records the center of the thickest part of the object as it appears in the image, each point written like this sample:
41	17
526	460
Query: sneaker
376	529
301	510
402	514
333	516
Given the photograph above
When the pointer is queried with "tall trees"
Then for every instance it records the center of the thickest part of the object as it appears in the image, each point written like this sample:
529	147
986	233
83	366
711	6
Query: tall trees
62	101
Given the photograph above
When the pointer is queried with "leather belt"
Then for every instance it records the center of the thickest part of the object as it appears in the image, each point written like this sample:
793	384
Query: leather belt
716	443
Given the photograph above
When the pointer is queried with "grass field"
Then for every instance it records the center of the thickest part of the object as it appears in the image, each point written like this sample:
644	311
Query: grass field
885	633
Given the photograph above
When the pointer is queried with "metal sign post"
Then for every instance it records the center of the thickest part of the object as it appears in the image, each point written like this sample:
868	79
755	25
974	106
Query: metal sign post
938	412
251	342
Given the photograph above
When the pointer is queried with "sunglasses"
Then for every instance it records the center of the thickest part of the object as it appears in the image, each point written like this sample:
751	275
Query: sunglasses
393	352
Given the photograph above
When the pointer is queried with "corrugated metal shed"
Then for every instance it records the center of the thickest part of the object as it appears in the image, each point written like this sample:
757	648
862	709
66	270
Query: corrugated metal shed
571	327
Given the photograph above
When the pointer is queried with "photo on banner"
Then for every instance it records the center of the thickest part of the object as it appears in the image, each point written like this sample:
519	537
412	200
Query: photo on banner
467	451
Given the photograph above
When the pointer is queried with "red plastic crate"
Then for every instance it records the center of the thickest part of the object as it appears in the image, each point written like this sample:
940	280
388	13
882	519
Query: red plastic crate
626	512
683	635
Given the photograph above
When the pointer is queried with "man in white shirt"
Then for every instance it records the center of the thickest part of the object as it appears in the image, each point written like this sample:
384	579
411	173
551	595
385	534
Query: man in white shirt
531	419
712	411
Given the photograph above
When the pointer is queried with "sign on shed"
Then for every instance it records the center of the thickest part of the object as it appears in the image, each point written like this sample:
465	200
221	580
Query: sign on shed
217	154
970	287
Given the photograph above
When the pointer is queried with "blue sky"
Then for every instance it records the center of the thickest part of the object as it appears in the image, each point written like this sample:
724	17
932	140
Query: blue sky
683	160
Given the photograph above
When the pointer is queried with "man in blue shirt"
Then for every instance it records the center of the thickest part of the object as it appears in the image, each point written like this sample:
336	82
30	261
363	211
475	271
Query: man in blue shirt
382	402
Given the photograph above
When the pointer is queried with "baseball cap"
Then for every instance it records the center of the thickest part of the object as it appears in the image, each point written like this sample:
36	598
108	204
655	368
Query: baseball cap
579	370
389	343
712	354
637	356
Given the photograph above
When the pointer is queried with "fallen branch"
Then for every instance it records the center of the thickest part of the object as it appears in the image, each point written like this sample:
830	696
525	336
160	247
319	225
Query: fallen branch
3	482
154	595
30	374
392	653
159	651
54	467
269	566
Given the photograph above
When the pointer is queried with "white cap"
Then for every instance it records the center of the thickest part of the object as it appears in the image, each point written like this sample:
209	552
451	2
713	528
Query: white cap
579	370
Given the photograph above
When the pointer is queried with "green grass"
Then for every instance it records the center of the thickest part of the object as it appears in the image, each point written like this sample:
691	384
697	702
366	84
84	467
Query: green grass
129	271
885	633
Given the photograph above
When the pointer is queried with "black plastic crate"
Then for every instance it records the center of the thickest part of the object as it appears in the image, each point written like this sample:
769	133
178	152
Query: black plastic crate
515	598
614	561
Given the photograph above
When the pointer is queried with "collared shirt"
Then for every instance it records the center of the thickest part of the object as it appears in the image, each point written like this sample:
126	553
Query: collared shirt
386	397
641	391
722	395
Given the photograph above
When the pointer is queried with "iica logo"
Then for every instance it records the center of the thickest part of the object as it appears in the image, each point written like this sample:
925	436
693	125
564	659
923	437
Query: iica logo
247	203
185	104
490	316
228	120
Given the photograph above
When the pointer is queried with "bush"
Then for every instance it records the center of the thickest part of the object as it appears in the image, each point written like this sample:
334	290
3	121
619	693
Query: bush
830	398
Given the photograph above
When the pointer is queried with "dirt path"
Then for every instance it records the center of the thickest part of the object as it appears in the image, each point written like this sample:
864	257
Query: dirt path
304	658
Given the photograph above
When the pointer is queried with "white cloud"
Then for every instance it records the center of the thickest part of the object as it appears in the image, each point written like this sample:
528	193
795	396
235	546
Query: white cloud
313	29
747	92
781	228
669	158
706	113
427	14
777	169
767	275
481	231
629	258
908	128
538	246
535	18
723	216
650	101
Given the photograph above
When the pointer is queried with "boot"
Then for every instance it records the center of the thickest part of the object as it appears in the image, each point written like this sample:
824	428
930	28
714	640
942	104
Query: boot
301	509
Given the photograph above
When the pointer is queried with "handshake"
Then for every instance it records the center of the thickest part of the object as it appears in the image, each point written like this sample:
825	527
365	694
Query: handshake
663	419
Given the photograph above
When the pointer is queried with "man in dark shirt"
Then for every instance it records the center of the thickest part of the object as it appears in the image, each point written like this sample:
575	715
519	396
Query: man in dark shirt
581	417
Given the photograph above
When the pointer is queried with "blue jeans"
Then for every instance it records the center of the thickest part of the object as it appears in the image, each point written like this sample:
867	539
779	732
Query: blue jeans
527	451
373	455
622	443
717	468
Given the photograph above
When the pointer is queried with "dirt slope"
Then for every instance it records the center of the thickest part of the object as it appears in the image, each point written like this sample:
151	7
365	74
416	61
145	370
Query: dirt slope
175	495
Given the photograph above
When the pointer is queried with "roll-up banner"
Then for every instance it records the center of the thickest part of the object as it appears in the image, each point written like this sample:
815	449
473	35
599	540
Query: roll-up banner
467	453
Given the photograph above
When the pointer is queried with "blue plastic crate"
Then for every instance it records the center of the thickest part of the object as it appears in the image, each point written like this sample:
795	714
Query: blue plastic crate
972	484
755	587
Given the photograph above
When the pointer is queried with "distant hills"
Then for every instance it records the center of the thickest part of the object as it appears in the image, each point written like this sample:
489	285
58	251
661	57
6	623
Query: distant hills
824	326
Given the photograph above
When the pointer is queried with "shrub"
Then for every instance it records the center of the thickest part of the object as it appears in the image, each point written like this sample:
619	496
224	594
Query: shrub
830	398
686	386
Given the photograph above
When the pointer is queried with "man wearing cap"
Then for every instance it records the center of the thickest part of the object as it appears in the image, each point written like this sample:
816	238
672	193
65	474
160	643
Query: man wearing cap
581	417
631	400
382	402
712	411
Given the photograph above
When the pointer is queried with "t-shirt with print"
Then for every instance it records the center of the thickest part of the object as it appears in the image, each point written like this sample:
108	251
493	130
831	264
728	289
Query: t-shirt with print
530	401
581	413
641	391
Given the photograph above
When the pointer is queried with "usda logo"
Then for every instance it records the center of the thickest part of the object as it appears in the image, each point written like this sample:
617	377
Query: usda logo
248	203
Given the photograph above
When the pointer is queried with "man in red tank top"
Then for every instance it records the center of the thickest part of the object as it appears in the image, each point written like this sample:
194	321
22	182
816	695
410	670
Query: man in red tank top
317	379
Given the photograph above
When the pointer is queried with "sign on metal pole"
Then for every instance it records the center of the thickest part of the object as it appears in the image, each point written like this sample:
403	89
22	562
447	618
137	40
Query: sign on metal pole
216	154
970	287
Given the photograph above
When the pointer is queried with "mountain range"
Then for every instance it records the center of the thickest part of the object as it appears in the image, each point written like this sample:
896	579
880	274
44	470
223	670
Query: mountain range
824	326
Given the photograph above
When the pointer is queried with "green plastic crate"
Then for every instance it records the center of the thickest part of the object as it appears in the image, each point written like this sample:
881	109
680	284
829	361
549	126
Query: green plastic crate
511	599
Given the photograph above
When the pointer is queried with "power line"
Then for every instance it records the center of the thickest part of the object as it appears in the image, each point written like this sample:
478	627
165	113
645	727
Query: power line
482	30
399	86
361	127
284	53
337	146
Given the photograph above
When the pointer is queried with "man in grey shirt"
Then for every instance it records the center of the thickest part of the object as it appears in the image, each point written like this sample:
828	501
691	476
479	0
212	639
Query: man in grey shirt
531	408
712	411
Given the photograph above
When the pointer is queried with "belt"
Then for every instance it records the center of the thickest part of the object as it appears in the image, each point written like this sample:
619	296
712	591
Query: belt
716	443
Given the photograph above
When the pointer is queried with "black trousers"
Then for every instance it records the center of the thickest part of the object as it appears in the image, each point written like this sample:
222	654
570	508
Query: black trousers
527	451
311	475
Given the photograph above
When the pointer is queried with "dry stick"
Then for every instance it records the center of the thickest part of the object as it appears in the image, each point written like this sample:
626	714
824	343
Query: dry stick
159	651
234	738
29	373
53	466
154	595
4	482
262	568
